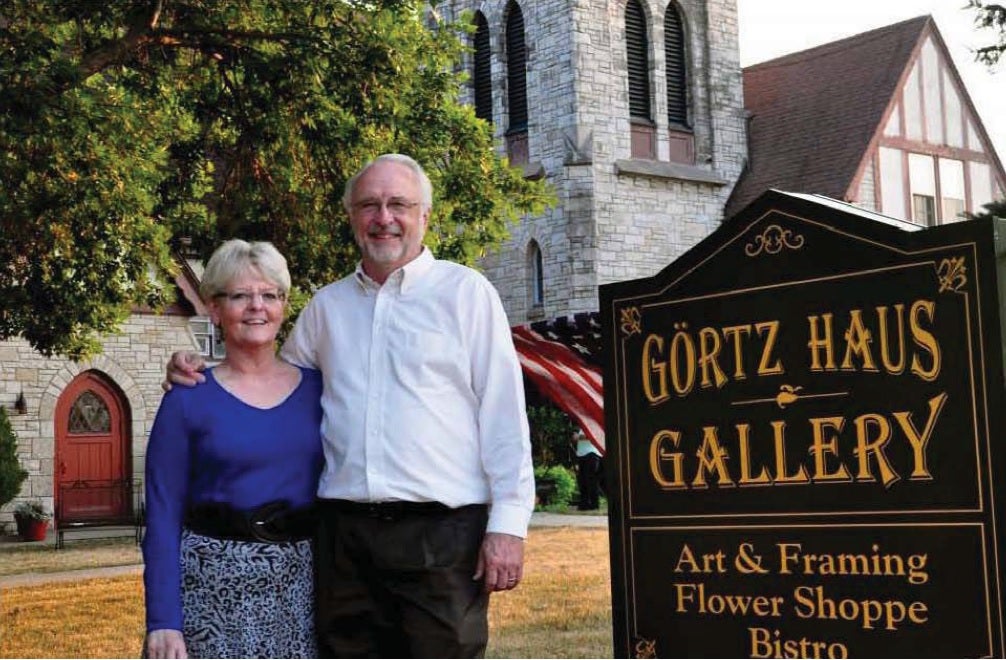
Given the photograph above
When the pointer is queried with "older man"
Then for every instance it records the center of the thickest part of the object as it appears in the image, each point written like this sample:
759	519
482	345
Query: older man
428	486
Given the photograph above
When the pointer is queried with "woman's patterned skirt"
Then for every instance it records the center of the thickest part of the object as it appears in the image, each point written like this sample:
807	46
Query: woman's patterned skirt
247	600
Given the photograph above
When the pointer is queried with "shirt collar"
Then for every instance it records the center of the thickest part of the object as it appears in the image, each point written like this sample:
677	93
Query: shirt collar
405	277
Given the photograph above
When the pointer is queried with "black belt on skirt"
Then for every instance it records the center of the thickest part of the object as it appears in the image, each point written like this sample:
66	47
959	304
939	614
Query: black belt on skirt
392	509
274	522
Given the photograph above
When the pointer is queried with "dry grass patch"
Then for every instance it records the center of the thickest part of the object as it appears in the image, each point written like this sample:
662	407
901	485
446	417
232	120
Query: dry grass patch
88	619
562	610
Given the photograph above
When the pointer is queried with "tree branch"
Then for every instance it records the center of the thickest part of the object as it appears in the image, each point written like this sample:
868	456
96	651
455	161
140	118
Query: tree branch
144	33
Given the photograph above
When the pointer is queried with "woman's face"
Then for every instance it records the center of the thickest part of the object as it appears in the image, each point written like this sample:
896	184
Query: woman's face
250	310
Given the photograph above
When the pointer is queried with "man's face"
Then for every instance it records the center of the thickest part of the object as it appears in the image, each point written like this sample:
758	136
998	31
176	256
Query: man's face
387	218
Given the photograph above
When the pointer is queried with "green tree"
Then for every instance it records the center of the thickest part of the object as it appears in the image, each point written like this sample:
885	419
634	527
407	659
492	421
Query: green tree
994	209
131	128
11	473
992	16
551	436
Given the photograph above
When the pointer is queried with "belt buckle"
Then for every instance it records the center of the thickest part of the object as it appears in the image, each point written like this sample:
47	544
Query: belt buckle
392	511
262	523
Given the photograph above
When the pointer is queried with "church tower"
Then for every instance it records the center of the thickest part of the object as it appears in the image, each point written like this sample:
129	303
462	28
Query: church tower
633	112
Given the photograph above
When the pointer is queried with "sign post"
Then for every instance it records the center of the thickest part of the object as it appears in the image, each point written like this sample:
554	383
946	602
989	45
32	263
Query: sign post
805	425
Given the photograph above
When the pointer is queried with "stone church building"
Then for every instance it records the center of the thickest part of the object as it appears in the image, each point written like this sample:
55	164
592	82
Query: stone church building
633	112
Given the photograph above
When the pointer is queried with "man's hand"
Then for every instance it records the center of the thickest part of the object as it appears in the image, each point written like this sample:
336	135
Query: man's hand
501	561
166	644
184	368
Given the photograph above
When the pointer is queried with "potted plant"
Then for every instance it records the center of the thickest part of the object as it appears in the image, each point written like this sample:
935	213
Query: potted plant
32	520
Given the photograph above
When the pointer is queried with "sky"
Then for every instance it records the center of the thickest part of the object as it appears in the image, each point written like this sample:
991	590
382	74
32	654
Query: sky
770	28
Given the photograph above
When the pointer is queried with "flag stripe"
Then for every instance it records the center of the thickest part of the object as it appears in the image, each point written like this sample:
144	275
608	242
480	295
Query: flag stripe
564	365
566	402
565	379
582	386
560	353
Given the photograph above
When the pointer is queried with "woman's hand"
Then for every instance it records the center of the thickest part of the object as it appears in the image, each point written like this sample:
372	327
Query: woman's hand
166	644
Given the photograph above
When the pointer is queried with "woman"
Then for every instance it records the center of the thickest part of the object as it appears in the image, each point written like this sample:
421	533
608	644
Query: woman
232	468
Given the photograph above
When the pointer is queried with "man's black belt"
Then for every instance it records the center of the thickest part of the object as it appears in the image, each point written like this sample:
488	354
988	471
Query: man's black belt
392	509
275	522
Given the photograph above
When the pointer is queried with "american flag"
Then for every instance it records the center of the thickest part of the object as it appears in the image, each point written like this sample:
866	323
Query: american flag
561	357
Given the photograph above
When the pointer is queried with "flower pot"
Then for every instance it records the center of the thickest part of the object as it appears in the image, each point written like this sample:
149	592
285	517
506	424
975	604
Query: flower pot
31	529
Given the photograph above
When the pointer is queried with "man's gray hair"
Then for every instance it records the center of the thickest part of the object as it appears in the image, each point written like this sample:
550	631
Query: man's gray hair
425	187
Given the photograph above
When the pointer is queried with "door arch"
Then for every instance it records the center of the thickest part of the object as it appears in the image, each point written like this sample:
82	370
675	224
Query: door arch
92	449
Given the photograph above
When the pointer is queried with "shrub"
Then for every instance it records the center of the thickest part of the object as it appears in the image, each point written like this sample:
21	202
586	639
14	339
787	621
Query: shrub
11	473
565	485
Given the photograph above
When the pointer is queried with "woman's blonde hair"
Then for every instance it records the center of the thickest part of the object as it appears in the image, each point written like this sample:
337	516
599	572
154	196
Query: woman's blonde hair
235	257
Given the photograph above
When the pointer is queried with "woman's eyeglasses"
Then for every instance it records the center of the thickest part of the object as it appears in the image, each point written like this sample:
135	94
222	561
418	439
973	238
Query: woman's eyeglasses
245	298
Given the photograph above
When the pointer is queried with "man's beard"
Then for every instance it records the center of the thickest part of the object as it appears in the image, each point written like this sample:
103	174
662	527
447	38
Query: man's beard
385	253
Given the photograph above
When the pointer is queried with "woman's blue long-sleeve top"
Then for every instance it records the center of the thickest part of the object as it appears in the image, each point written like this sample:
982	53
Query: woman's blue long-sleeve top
207	446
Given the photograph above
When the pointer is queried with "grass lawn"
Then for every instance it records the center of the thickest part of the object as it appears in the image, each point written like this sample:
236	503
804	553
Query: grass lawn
562	610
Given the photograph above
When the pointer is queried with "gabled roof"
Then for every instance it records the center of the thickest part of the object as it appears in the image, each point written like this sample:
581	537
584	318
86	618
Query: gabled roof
185	298
188	301
850	209
814	113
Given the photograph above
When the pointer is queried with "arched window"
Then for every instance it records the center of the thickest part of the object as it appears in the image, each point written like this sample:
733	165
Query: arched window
537	271
681	141
482	75
89	414
638	64
516	66
638	60
676	68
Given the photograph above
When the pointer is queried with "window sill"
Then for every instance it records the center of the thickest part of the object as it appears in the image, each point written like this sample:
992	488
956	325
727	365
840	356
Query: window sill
663	170
536	312
533	171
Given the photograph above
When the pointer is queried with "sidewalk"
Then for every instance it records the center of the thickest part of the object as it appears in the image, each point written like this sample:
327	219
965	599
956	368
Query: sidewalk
545	519
28	579
538	519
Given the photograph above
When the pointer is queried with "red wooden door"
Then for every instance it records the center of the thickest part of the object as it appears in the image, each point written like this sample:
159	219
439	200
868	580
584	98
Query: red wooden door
92	451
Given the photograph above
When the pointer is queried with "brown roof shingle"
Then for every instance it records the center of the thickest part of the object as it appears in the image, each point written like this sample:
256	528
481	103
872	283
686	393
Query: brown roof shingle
813	113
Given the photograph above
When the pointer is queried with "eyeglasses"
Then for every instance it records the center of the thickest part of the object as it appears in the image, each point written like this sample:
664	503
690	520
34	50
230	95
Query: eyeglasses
245	298
397	206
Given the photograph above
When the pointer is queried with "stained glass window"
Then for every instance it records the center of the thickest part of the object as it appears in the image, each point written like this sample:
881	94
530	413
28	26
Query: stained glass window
89	414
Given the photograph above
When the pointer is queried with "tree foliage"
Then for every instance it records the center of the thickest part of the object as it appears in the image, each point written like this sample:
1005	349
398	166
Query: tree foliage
994	209
130	128
992	16
551	435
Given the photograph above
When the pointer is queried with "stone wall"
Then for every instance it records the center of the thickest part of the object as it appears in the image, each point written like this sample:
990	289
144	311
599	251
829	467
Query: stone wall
134	360
615	218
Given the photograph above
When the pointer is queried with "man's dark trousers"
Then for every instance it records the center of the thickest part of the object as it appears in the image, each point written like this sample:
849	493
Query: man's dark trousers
394	580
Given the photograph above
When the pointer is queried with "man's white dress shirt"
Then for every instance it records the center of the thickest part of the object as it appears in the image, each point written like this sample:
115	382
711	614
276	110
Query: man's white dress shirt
423	398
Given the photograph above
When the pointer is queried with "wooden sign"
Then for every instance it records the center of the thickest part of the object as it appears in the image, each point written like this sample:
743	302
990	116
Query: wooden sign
805	424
